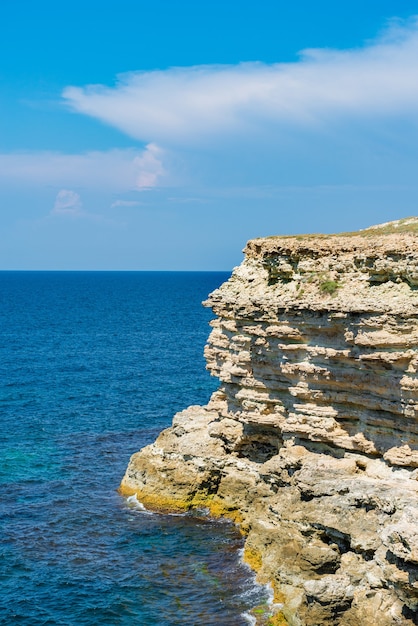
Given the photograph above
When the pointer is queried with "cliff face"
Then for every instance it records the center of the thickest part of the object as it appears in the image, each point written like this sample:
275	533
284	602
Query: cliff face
311	441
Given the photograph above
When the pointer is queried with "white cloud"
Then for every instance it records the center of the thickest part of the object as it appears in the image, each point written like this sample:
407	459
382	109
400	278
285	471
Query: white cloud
150	167
114	170
124	203
183	106
334	116
67	202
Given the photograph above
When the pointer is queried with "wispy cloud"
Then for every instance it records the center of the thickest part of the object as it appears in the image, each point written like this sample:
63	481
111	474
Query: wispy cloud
68	203
187	200
115	170
186	106
124	203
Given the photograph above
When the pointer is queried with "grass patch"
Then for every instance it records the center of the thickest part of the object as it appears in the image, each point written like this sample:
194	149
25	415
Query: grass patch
329	287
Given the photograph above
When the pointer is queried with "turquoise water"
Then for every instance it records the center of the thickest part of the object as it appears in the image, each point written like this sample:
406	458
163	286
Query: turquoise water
93	365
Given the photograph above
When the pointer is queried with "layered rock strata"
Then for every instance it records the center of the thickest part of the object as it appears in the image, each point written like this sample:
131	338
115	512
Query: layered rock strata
311	441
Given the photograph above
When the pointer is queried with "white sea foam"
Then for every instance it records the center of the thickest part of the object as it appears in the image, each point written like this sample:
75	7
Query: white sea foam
133	500
267	591
134	503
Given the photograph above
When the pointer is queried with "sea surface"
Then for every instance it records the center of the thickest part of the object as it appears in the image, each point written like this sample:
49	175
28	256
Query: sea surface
93	366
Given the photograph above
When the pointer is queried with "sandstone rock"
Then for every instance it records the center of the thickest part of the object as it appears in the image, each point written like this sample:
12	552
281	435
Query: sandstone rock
311	442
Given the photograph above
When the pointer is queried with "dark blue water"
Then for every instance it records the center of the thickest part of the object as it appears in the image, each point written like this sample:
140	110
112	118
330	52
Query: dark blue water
93	365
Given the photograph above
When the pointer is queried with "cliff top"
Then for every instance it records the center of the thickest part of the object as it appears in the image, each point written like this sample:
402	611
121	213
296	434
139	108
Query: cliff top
375	270
405	225
395	236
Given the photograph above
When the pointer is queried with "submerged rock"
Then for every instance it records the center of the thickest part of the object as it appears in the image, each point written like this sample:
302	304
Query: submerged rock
311	441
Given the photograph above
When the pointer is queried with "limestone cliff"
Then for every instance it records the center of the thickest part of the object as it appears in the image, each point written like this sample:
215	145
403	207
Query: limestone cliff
311	441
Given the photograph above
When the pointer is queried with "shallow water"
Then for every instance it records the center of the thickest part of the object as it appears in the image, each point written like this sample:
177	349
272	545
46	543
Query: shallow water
93	365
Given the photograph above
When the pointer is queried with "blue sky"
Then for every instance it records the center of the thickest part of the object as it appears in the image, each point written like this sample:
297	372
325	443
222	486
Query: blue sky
163	135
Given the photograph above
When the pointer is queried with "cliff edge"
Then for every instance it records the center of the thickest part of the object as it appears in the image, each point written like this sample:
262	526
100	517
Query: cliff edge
311	442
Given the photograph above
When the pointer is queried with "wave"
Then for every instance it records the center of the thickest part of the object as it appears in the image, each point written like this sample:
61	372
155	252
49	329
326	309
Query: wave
267	607
134	503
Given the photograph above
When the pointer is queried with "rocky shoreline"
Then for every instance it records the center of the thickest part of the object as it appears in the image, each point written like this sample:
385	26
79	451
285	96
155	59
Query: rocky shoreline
311	442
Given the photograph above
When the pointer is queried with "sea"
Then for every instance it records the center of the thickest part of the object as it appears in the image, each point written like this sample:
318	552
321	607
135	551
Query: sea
93	366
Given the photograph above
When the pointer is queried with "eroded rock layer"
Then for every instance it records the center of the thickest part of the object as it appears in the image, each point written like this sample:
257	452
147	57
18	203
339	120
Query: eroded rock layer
311	441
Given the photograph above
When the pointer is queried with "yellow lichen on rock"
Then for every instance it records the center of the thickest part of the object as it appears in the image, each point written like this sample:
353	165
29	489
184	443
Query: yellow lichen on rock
253	558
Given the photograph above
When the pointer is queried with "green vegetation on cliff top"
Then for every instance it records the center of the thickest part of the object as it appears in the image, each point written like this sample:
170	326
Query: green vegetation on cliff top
404	225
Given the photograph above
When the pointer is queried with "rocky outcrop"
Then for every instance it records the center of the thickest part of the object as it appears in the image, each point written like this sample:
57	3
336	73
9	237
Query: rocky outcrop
311	441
